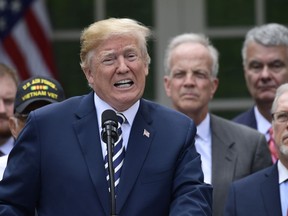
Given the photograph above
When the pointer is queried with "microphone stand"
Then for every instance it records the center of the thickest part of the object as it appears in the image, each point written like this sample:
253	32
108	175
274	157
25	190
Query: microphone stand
110	143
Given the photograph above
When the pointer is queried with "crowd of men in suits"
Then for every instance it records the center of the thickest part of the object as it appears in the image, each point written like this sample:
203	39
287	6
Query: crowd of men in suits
229	151
244	160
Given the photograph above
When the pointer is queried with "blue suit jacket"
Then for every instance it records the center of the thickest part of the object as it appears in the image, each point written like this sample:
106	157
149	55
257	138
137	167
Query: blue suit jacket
247	118
257	194
57	165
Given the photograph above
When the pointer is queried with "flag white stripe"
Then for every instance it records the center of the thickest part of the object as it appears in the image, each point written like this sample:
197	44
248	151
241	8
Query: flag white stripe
5	59
29	50
40	12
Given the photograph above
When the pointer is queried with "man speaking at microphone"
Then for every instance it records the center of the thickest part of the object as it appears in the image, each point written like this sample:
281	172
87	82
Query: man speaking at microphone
61	158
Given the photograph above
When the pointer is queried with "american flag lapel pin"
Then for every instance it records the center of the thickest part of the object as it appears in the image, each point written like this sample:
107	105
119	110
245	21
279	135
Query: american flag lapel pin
146	133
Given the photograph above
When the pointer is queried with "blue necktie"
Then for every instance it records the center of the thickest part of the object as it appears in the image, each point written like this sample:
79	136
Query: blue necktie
118	153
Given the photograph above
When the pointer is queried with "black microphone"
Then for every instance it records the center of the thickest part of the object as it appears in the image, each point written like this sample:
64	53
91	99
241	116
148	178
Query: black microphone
109	135
109	125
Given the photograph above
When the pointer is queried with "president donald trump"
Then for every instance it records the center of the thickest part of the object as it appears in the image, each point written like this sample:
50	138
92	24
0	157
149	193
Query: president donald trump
59	164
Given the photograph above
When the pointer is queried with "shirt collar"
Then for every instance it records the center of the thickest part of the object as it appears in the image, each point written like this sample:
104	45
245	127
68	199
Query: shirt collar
6	147
101	106
203	129
262	124
283	172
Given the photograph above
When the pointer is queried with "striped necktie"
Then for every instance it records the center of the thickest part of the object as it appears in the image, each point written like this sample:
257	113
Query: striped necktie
118	153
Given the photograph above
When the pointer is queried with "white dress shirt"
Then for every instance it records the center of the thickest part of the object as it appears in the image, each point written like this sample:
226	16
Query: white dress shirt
3	163
204	147
283	184
263	125
7	146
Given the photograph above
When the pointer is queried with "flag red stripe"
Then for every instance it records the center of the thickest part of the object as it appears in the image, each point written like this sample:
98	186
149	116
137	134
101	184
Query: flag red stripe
16	56
41	40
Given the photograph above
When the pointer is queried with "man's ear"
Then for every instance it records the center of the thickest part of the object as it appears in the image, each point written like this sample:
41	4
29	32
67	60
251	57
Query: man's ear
167	81
215	84
13	125
88	74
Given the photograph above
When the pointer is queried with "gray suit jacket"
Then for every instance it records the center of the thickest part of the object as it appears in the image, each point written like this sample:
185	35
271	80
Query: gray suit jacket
237	151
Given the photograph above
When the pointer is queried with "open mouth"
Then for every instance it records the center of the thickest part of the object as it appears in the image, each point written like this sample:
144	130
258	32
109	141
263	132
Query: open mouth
124	84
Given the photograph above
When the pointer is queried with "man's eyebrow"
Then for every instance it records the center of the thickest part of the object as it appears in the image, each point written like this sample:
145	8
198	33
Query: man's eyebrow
106	52
130	48
276	61
255	61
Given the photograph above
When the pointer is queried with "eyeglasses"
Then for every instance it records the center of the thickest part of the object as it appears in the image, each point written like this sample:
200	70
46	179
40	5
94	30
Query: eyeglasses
280	117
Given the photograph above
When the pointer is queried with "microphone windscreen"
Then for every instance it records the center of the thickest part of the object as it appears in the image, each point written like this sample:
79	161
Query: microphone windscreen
109	125
109	116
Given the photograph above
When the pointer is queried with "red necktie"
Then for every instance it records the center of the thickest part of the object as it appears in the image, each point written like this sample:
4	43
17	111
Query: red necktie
272	148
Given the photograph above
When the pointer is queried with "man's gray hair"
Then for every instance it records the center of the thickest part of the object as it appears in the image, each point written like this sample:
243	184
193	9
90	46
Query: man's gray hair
191	38
271	34
280	90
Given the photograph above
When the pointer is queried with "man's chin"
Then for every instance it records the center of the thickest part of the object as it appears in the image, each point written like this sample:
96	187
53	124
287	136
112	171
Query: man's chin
266	98
284	150
188	108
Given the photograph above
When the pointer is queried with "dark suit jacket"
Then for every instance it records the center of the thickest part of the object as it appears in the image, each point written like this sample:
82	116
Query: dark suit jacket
247	118
57	165
237	151
257	194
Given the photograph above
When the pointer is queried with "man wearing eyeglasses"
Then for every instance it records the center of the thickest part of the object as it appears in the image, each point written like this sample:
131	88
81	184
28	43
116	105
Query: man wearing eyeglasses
31	94
265	192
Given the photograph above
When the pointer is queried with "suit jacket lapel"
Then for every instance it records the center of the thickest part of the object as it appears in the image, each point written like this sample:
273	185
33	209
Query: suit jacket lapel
140	139
86	128
223	154
270	192
251	119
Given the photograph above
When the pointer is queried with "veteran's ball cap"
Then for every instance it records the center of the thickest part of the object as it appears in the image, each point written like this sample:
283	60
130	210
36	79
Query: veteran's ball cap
37	89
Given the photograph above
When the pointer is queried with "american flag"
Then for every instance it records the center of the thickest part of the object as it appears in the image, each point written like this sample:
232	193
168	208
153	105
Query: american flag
146	133
25	38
